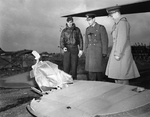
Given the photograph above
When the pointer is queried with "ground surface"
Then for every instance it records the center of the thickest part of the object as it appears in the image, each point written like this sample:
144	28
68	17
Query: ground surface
13	102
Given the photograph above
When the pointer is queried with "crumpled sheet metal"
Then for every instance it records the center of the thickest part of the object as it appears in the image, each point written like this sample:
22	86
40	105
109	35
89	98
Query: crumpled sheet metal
47	74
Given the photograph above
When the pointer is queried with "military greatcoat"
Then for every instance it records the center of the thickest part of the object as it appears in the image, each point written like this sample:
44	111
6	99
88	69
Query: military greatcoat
125	68
96	44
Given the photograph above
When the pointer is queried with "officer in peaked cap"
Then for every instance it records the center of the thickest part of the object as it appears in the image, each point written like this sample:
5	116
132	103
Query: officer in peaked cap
90	16
121	55
96	46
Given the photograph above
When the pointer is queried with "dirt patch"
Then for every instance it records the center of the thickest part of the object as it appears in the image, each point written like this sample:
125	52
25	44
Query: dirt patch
13	102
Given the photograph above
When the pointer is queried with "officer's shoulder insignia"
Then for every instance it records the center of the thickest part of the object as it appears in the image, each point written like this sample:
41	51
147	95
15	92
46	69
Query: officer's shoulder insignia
123	18
99	25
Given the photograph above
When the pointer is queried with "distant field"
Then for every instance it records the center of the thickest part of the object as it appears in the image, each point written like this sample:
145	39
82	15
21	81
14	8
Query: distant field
8	62
57	59
143	67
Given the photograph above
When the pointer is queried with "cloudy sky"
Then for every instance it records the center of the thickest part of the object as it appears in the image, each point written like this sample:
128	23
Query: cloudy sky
36	24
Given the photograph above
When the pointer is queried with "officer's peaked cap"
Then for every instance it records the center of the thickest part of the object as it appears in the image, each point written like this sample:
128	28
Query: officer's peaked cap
90	15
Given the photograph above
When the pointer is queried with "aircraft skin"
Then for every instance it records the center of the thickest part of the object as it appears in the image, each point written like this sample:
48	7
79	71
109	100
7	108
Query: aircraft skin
93	99
138	7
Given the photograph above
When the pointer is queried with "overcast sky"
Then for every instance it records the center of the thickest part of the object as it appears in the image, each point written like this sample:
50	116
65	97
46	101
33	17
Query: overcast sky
36	24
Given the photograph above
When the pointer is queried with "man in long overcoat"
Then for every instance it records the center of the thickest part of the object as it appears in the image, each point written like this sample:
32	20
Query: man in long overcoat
121	65
96	47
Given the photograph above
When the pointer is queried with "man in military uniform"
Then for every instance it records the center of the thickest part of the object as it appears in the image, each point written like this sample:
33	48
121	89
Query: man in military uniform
121	65
96	47
71	41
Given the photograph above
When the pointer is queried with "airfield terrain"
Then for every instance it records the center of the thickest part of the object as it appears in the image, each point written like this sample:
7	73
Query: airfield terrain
13	101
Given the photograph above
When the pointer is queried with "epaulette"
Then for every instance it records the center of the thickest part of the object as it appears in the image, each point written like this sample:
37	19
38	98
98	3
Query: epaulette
101	25
122	19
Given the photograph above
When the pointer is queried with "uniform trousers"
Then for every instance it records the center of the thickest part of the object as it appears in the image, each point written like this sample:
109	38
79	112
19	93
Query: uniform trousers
95	76
70	61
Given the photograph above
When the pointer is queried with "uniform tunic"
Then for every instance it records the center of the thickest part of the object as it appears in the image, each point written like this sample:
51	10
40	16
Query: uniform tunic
96	44
125	68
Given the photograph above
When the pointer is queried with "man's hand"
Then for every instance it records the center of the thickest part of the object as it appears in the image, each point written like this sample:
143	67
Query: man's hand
117	58
104	55
80	53
65	49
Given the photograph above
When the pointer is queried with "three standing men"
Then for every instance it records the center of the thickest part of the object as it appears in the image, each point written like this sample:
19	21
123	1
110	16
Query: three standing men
121	65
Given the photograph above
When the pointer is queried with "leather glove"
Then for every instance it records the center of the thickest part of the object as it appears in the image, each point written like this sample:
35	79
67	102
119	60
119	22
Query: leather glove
65	49
80	53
